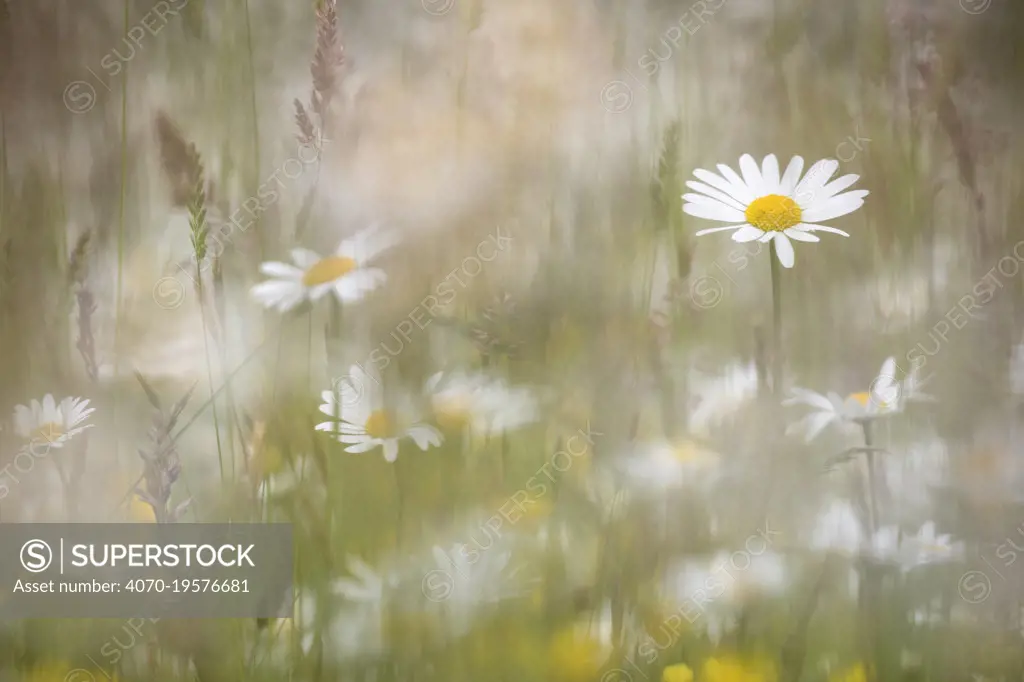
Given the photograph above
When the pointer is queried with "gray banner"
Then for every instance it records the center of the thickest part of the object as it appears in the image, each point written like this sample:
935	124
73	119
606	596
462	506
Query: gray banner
145	570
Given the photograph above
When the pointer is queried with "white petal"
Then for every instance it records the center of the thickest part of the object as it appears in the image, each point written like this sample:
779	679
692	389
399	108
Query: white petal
363	447
701	233
800	235
722	212
305	258
279	294
752	175
809	189
355	285
747	233
391	449
367	244
784	250
792	175
701	200
715	194
835	207
49	408
317	292
811	227
425	436
738	192
816	423
838	185
770	174
283	270
811	398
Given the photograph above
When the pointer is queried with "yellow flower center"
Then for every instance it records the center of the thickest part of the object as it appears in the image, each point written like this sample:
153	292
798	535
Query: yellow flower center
379	425
451	412
327	270
687	452
773	213
862	398
679	672
48	433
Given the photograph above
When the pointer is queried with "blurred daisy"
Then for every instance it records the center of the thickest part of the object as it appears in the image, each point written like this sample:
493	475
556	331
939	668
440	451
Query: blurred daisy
764	205
488	405
885	396
891	545
464	580
716	587
669	465
838	530
50	422
929	547
345	272
364	422
721	397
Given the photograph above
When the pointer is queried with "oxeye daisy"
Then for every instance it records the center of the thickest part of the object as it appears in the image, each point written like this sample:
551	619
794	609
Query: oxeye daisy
51	422
488	405
885	396
763	205
345	272
365	423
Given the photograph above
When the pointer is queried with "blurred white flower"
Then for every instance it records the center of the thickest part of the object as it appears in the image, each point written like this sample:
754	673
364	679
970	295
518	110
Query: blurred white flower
467	580
714	588
885	396
667	465
890	545
345	272
838	530
764	205
720	397
487	404
355	626
51	423
364	423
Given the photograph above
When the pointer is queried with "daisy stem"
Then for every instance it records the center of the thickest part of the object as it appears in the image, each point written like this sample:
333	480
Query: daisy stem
776	321
398	504
209	367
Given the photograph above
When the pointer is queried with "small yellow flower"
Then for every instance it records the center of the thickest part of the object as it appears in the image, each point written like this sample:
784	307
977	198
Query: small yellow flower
574	657
64	672
679	672
855	674
730	669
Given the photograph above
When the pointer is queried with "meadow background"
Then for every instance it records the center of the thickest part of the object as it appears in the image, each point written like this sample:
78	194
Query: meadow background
630	506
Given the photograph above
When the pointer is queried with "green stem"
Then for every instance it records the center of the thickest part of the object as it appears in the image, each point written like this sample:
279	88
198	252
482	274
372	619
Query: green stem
776	321
120	232
398	504
209	368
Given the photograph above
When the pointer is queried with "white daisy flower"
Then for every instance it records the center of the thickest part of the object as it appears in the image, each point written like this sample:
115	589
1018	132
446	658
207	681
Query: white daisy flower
364	421
885	396
891	545
487	404
764	205
929	547
668	465
838	530
345	272
466	580
721	397
52	423
713	590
